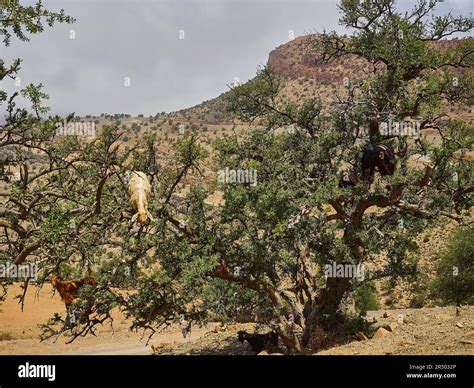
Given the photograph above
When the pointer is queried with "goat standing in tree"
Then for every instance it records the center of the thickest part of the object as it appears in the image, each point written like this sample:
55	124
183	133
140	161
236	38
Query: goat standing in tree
378	157
69	289
139	189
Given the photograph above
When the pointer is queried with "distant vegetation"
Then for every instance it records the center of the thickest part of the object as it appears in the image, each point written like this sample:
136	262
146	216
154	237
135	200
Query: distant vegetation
366	298
454	283
260	252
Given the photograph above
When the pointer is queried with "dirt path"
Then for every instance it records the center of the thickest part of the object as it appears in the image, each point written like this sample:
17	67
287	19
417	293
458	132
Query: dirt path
122	342
420	331
19	331
131	349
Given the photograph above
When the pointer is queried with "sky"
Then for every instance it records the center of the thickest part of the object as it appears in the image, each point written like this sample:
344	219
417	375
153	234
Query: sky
149	56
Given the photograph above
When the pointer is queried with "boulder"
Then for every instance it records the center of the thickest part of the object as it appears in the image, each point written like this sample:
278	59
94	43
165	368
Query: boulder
390	327
380	333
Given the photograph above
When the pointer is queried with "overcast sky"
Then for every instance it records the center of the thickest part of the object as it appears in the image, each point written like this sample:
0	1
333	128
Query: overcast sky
116	39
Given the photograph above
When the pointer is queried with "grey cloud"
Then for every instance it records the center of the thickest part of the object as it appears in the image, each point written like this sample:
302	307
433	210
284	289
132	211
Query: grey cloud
139	39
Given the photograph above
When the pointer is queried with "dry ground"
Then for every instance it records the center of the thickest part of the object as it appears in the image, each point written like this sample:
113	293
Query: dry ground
423	331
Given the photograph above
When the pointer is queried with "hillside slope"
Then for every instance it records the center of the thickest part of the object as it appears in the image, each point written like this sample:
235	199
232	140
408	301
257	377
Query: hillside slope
307	76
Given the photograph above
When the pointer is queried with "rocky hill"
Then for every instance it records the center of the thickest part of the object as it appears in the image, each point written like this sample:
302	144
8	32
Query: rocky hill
307	76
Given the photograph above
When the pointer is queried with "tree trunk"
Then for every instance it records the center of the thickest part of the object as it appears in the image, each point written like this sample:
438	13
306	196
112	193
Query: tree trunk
327	303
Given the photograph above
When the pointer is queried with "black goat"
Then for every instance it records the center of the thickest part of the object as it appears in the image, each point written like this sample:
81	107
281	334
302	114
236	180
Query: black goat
380	157
259	342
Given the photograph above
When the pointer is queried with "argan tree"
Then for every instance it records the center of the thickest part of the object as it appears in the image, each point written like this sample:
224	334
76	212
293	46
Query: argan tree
259	249
309	223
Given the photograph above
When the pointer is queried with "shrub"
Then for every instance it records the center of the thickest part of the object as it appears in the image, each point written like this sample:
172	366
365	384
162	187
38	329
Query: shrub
366	298
5	336
455	270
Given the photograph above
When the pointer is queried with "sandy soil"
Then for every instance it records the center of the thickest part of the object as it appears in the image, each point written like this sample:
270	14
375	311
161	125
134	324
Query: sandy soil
423	331
19	331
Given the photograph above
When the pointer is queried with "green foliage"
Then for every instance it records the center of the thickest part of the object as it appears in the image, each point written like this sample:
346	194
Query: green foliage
261	250
230	302
366	298
23	20
454	281
54	224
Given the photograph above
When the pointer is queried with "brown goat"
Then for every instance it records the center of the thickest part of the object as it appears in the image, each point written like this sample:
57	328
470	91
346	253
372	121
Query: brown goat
69	289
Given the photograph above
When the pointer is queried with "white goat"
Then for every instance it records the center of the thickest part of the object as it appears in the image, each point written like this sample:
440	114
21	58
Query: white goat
139	189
